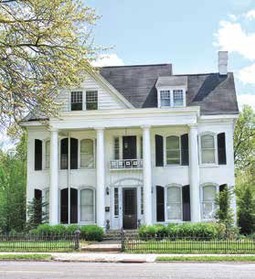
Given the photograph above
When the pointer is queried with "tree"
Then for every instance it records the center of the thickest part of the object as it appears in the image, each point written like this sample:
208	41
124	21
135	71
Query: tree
246	209
13	188
45	45
244	139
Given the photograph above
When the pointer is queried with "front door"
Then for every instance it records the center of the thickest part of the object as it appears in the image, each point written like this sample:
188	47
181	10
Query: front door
129	147
129	208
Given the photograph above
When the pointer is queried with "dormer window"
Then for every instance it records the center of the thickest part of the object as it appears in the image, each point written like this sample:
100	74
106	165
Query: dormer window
172	91
76	100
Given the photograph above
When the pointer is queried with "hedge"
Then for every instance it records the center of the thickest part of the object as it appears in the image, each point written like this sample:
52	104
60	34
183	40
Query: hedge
186	230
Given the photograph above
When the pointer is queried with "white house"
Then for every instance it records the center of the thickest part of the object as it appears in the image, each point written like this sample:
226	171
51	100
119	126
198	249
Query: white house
135	145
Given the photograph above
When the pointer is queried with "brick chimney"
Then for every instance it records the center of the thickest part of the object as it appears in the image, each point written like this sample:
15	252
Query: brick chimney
223	63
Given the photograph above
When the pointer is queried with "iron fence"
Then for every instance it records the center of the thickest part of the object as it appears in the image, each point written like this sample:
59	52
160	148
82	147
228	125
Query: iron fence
24	242
185	245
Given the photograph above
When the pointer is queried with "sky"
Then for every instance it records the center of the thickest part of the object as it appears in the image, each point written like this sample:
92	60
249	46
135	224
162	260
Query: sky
186	33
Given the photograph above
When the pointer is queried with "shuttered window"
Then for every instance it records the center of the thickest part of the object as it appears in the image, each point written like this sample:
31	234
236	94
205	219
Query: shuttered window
87	153
208	202
87	206
173	155
65	210
207	149
174	203
73	153
38	155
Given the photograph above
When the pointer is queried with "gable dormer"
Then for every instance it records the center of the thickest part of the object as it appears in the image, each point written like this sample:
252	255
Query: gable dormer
171	91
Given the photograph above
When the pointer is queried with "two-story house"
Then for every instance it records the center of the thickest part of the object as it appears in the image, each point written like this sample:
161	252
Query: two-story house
135	145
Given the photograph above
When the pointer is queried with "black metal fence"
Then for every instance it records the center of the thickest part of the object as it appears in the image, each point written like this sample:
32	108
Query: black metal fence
188	245
38	243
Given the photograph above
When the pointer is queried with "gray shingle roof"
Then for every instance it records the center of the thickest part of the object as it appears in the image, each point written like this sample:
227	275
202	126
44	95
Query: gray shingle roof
214	94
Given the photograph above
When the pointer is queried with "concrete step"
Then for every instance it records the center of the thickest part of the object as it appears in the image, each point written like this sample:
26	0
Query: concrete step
102	247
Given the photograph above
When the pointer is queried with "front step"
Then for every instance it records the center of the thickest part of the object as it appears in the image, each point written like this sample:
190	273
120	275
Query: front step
102	247
116	234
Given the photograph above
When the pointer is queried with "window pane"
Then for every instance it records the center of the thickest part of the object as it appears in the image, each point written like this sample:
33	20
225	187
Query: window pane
91	100
87	153
116	148
76	100
174	194
178	97
172	142
174	211
207	141
173	150
208	156
165	98
87	205
209	193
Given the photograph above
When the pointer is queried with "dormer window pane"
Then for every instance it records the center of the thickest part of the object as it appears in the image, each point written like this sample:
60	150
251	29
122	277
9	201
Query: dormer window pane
91	100
76	100
178	98
165	98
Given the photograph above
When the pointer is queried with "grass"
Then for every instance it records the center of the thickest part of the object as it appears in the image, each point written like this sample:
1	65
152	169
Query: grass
36	246
206	259
25	257
192	247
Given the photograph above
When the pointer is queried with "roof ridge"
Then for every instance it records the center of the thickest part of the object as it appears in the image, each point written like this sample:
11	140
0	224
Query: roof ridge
139	65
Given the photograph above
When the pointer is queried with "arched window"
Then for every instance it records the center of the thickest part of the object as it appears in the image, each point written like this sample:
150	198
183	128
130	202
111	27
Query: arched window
47	154
207	149
174	203
87	153
173	154
208	201
87	206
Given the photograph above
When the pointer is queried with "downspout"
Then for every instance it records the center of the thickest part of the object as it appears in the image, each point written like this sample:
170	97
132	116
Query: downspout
68	179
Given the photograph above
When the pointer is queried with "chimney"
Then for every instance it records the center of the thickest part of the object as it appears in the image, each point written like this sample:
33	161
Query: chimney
223	63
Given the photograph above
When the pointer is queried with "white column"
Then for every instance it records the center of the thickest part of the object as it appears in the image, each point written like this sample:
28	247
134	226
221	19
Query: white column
147	181
53	198
194	174
100	194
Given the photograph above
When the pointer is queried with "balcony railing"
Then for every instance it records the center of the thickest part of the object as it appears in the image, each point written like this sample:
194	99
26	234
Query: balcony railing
126	164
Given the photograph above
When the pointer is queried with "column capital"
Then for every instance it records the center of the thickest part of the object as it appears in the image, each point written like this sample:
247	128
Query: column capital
53	129
99	128
193	126
147	126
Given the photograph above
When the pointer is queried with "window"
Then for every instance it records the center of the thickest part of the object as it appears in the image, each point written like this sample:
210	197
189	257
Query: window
73	154
87	153
91	100
207	149
172	150
47	154
76	100
116	148
165	98
174	203
87	208
38	155
177	98
116	202
208	201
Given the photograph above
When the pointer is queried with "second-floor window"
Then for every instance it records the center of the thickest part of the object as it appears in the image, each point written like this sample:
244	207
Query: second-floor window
91	100
171	98
76	100
207	149
173	154
87	153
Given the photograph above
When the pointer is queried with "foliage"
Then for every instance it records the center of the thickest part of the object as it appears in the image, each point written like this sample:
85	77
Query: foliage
45	45
186	230
244	139
246	209
206	258
13	188
88	232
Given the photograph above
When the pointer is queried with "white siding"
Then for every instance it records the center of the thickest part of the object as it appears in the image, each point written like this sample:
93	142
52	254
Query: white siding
106	99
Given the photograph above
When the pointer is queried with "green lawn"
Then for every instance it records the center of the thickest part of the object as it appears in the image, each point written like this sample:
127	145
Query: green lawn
23	257
192	247
206	259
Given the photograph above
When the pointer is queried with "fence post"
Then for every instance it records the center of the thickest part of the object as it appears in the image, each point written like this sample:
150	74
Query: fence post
77	239
122	236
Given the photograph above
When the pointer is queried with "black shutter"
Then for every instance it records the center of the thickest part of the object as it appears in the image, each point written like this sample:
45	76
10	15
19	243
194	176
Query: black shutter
74	153
64	154
186	203
160	203
185	150
222	160
38	154
74	206
64	206
159	151
37	206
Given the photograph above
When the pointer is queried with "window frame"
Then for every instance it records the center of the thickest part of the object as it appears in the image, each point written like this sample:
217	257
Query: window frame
82	101
214	135
202	186
94	205
171	89
166	203
94	153
165	150
86	101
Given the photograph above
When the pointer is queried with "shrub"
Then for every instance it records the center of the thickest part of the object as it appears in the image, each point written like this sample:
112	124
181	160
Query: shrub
92	232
